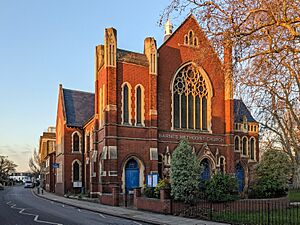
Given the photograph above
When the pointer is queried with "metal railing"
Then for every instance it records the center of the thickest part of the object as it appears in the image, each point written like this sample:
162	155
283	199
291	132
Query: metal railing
251	212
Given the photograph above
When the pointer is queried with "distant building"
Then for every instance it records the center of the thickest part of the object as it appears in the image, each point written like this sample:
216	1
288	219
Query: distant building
47	156
143	104
21	177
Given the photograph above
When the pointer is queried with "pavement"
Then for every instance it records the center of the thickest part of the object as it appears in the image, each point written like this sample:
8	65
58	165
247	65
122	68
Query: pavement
131	214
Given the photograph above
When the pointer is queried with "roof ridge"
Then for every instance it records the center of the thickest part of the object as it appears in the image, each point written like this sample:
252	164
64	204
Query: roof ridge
79	91
130	51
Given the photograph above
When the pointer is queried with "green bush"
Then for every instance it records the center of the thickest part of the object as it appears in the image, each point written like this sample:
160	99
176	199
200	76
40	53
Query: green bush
149	192
162	184
185	173
221	188
271	175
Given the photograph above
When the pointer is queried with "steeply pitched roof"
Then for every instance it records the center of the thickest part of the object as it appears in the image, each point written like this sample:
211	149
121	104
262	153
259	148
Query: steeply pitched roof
79	107
241	110
132	57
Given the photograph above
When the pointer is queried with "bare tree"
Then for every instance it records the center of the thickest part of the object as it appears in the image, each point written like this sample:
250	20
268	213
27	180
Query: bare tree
36	164
6	167
265	35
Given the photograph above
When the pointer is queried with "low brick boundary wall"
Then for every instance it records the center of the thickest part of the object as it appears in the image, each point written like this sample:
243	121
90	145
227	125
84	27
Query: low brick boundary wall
167	206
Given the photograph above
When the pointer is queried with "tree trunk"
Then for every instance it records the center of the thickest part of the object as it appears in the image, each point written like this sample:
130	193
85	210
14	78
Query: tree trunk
296	177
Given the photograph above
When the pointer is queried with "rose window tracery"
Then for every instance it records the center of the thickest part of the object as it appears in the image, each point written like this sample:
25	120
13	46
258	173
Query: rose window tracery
190	95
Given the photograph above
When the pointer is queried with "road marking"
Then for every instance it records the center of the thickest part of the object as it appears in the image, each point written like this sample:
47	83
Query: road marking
137	223
36	217
101	215
63	205
79	210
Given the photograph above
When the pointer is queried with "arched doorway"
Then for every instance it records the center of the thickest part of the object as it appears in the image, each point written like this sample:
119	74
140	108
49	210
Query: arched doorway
240	176
205	175
132	175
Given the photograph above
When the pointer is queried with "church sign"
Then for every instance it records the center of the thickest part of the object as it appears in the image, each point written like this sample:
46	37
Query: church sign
190	137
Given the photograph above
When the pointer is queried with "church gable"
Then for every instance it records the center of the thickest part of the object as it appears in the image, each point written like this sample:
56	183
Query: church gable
191	40
187	46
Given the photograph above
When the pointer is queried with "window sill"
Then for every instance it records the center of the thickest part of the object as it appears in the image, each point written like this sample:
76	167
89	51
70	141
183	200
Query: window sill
192	130
77	152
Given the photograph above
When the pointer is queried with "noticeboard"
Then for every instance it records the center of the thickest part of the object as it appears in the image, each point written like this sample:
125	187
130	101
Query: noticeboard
152	180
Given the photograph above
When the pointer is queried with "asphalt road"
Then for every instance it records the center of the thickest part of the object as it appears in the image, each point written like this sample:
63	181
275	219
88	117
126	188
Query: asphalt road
18	206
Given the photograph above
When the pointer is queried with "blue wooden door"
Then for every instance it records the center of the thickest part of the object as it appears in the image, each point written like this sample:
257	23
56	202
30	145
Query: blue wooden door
132	175
205	175
240	176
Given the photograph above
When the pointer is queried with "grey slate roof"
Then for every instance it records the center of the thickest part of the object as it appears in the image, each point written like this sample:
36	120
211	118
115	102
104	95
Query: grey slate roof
79	107
240	110
132	57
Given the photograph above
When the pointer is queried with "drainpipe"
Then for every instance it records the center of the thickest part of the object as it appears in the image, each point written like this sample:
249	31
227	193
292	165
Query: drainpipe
83	162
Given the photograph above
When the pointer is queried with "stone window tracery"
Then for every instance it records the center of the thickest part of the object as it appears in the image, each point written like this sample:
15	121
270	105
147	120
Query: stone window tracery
190	99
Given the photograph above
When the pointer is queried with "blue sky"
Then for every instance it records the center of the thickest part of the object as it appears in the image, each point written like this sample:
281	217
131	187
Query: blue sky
45	43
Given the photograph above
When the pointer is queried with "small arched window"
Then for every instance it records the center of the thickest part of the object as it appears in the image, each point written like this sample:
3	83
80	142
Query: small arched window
126	104
245	146
195	41
76	142
87	142
139	106
222	165
76	170
191	35
237	143
252	148
186	40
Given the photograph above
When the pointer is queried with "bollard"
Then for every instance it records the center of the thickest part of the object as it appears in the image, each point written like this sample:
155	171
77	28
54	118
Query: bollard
38	190
42	191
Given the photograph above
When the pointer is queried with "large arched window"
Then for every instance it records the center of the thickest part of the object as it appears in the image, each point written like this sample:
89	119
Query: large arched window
245	146
191	99
139	104
252	148
126	104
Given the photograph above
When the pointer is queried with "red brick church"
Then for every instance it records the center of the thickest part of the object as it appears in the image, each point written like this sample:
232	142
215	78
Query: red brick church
143	104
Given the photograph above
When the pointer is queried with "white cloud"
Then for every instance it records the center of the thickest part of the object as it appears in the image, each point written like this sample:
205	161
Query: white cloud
19	154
